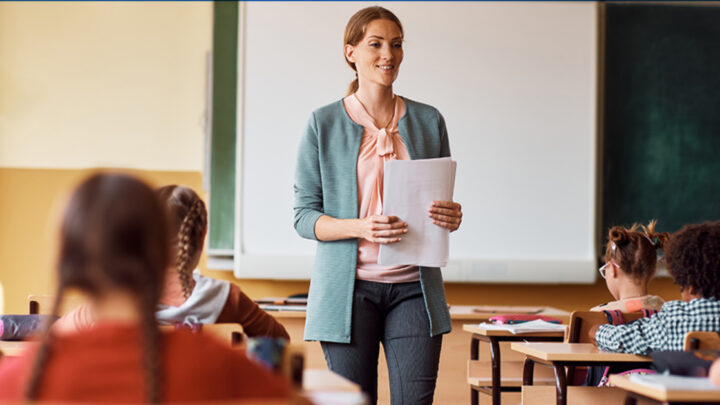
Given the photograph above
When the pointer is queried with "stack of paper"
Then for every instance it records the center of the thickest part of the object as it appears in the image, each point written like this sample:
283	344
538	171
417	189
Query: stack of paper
535	326
409	188
675	382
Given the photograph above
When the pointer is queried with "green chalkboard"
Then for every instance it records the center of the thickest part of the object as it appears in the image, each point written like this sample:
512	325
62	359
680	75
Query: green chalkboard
661	138
224	117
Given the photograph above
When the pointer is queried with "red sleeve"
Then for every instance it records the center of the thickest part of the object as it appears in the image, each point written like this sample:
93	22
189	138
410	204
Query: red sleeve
201	368
13	377
239	308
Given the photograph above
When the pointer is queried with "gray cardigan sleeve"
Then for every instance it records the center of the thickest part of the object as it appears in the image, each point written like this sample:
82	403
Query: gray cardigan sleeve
444	143
308	183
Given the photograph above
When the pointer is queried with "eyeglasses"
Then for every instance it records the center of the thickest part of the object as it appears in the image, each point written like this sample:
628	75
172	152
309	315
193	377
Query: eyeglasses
604	267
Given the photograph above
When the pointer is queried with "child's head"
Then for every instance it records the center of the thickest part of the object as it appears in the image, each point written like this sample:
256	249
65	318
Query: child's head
187	219
693	259
631	256
113	239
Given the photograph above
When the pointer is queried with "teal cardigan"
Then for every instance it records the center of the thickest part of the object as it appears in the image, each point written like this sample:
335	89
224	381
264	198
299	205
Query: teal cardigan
326	183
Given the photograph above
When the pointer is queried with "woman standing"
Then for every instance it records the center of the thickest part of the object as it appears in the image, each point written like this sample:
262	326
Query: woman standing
354	303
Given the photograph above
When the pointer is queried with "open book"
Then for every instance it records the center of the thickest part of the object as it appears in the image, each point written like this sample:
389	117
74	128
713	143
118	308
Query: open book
675	382
526	327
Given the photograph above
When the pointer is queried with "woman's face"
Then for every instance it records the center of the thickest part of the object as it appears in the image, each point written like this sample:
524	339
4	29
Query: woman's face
378	55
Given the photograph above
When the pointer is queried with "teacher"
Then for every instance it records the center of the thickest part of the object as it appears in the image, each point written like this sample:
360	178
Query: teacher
355	304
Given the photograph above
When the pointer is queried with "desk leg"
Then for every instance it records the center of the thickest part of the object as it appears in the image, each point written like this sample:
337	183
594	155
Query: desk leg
528	369
630	399
474	355
560	383
495	359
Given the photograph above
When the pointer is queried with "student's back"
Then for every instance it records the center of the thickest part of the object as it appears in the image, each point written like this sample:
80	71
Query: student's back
104	363
114	248
692	255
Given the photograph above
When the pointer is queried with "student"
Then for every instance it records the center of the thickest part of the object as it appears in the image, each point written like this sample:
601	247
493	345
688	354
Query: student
692	255
630	260
189	297
114	248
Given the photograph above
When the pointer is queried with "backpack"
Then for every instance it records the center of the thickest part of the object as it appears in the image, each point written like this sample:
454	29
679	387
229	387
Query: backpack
599	375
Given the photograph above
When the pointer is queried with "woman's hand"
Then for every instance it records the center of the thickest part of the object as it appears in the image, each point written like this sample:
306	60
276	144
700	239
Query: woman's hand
382	229
447	214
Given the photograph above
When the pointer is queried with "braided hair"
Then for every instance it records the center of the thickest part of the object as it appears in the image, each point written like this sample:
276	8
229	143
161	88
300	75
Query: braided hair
187	218
634	249
112	238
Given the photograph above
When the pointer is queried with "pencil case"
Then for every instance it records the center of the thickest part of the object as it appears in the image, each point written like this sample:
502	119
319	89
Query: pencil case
19	327
518	318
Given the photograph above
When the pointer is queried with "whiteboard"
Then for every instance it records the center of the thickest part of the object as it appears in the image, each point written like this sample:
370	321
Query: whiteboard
516	83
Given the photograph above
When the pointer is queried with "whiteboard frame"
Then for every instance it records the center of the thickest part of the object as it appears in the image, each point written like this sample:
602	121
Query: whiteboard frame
297	267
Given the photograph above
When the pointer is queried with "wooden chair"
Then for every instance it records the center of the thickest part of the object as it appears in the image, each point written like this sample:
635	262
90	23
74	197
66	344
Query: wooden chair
231	333
42	304
702	341
581	322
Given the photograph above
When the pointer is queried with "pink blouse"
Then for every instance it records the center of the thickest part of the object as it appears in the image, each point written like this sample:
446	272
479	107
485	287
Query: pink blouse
378	145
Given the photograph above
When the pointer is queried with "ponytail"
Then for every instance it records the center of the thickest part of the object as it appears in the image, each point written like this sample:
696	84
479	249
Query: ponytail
354	85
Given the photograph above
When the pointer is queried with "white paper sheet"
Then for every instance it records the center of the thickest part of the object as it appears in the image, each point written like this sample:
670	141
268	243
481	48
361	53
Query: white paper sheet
535	326
410	186
675	382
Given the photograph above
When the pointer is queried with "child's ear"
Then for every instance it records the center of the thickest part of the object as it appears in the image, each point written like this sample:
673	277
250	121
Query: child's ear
613	271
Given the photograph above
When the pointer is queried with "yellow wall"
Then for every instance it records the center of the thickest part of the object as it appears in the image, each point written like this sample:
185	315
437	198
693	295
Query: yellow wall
123	85
103	84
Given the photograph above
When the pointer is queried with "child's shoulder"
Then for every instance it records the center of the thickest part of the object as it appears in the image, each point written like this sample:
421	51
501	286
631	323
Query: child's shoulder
694	305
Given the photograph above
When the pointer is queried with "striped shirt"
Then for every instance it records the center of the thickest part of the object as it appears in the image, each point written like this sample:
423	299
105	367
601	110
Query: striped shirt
663	331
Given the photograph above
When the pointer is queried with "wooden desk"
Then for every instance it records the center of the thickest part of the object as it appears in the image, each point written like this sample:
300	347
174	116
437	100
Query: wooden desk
14	348
494	337
451	386
559	355
637	391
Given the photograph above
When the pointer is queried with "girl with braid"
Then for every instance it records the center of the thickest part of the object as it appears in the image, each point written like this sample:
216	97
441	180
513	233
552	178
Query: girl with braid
114	249
190	298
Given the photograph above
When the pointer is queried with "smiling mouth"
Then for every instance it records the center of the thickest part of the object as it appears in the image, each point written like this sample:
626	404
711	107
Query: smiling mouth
386	68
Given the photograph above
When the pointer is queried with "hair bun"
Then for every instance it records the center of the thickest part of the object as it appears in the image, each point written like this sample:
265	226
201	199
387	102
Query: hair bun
619	236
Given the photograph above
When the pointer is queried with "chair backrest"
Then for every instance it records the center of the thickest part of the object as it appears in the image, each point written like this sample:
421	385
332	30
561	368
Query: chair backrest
42	304
231	333
702	341
582	321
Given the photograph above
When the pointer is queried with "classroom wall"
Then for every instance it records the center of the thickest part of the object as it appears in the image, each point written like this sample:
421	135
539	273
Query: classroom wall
122	85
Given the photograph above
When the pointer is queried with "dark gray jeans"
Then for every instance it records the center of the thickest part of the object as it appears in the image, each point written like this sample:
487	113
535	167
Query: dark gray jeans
395	315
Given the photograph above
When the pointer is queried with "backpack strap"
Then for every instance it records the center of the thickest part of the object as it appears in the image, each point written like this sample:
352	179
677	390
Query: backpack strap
649	312
615	317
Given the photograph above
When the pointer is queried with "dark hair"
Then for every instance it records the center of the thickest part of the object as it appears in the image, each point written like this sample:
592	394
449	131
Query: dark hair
355	32
635	251
112	237
187	224
693	258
